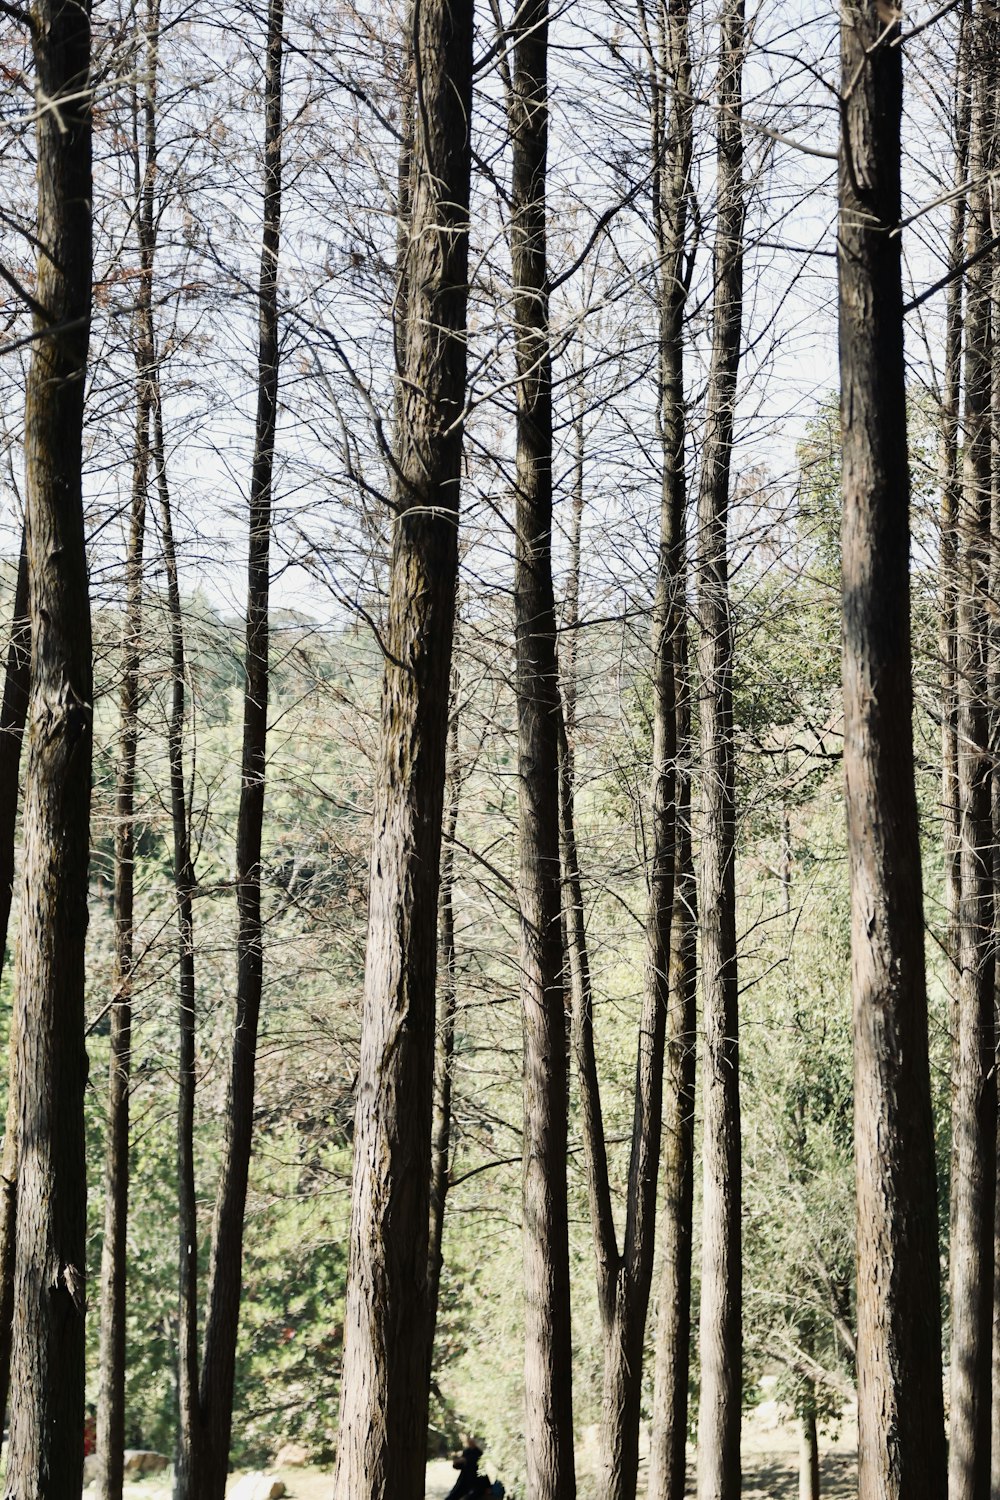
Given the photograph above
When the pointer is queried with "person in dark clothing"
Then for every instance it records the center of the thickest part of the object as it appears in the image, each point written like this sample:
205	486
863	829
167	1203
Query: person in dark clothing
467	1483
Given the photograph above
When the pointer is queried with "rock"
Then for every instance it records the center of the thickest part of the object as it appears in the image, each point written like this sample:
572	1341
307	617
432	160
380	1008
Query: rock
144	1461
257	1487
291	1456
89	1468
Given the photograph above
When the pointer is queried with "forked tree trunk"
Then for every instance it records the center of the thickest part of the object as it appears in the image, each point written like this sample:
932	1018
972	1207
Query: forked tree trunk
721	1337
383	1420
111	1397
548	1394
901	1453
974	1114
13	713
45	1456
225	1275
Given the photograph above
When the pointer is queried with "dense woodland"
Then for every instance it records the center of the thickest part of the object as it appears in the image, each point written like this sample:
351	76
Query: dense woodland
500	742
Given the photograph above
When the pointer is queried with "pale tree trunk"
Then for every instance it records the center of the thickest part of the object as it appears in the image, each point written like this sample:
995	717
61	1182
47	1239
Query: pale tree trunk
111	1398
13	713
901	1452
383	1420
974	1111
445	1046
951	490
548	1394
225	1274
47	1367
808	1455
720	1332
671	934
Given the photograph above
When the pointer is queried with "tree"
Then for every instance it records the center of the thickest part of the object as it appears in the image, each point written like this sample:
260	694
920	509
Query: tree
901	1423
722	1269
545	1236
47	1368
383	1421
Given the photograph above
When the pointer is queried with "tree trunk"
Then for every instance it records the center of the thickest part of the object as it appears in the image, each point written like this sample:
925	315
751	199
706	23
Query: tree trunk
45	1456
671	932
13	713
445	1051
189	1425
722	1272
994	694
545	1232
111	1398
383	1420
225	1276
808	1455
901	1425
974	1115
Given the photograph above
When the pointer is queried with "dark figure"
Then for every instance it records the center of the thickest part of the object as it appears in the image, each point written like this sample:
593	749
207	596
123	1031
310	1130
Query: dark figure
468	1480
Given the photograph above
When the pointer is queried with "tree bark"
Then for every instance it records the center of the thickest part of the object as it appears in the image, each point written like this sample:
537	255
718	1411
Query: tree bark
808	1455
545	1232
901	1425
383	1420
225	1275
47	1370
671	927
111	1398
994	694
721	1283
974	1111
13	714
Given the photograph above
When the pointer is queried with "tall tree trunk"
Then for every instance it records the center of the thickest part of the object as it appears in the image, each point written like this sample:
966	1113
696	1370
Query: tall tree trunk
901	1452
545	1230
808	1454
189	1426
47	1368
13	713
722	1271
225	1276
111	1399
951	490
383	1420
445	1047
670	937
994	696
974	1116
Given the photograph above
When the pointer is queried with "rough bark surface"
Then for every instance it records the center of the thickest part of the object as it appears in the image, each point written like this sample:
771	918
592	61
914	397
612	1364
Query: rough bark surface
548	1428
901	1422
722	1272
383	1419
13	714
45	1455
974	1104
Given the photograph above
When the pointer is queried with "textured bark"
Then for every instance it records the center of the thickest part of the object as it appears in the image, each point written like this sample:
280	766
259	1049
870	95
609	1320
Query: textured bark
995	798
974	1109
225	1275
383	1419
13	714
445	1049
47	1368
671	930
545	1233
901	1425
111	1397
722	1272
808	1456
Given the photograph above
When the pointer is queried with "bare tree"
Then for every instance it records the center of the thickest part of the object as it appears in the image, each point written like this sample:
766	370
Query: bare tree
900	1400
721	1332
47	1368
974	1122
383	1421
